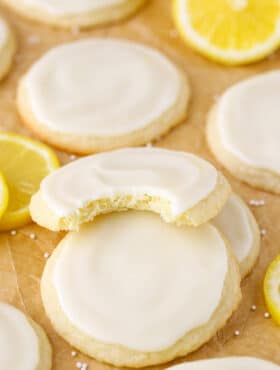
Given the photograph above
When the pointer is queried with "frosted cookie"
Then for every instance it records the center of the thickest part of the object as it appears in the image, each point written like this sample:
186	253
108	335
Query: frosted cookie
181	187
73	13
239	226
227	363
7	47
23	344
111	93
132	290
243	131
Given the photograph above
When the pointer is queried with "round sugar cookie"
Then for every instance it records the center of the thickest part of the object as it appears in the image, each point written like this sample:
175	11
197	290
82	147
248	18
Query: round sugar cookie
243	131
7	47
181	187
227	363
132	290
23	343
74	13
239	226
99	94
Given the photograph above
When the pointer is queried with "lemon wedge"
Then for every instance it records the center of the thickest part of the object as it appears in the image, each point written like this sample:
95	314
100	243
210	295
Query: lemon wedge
232	32
4	195
24	163
271	288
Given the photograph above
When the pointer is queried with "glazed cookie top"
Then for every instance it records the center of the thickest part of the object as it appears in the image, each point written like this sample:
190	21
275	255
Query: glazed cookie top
228	363
181	178
235	222
19	347
248	121
101	87
151	273
67	7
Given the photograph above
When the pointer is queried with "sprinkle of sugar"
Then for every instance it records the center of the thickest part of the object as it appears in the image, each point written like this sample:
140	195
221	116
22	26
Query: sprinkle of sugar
75	30
253	307
266	315
149	145
32	236
237	333
72	157
73	353
13	232
84	366
257	202
46	255
263	232
79	364
33	39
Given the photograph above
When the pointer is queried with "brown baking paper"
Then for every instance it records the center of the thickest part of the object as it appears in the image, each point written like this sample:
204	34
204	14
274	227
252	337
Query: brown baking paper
22	258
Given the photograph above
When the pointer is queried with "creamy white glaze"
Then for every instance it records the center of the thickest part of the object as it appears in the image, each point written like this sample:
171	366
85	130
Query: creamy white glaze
101	87
228	363
67	7
182	178
234	222
129	278
248	121
19	347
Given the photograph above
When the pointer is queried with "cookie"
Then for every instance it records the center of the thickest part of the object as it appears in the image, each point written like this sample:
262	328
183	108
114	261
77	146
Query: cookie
110	93
239	226
181	187
132	290
243	131
72	13
24	344
7	48
227	363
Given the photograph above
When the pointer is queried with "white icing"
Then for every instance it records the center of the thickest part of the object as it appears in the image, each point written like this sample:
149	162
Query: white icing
19	347
234	222
228	363
182	178
248	121
101	87
129	278
67	7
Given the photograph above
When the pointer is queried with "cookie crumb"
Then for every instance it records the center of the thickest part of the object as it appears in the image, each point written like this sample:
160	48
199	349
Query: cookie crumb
263	232
13	232
266	315
253	307
32	236
237	333
72	157
79	364
73	353
257	202
46	255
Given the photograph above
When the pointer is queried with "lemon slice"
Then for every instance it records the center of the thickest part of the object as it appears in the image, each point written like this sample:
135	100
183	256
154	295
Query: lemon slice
24	163
4	195
229	31
271	289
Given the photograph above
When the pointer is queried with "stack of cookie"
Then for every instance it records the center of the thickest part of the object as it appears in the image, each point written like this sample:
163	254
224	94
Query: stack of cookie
143	276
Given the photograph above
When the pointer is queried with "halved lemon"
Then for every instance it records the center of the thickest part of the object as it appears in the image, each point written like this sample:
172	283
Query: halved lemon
4	195
24	163
229	31
271	288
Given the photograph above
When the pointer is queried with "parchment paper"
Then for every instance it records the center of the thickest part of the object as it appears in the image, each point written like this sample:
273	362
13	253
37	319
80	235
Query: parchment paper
22	259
